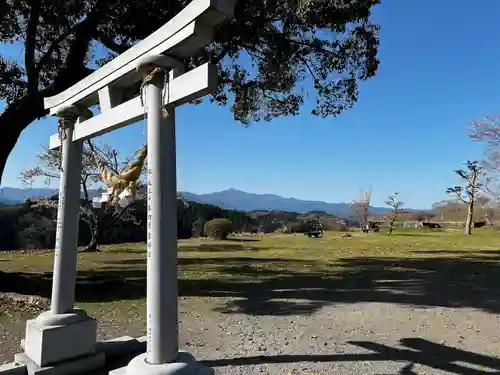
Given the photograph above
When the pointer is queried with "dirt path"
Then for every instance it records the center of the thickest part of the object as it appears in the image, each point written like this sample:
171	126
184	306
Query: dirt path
364	338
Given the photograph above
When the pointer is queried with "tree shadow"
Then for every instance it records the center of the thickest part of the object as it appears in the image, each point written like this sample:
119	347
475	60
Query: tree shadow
91	286
416	351
244	239
280	286
469	253
442	252
282	289
221	247
231	245
127	251
417	234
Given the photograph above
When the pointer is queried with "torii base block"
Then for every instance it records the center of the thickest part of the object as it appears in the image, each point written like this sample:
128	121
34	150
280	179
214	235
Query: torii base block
51	343
54	346
185	364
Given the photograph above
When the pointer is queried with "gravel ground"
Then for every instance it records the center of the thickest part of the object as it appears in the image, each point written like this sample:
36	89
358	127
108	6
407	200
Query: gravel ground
364	338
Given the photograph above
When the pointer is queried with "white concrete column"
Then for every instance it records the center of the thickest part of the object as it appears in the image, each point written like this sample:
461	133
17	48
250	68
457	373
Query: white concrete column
163	356
64	334
162	312
65	257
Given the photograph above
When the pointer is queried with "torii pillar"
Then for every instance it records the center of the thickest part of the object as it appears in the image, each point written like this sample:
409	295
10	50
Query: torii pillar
64	333
162	356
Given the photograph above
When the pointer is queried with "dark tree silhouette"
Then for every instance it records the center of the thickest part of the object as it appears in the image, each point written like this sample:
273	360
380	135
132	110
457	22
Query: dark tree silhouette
468	193
268	54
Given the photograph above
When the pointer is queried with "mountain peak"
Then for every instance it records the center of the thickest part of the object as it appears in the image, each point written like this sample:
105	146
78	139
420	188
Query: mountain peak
240	200
230	199
232	190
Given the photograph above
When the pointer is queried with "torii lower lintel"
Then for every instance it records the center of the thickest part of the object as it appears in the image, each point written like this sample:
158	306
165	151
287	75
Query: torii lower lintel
191	85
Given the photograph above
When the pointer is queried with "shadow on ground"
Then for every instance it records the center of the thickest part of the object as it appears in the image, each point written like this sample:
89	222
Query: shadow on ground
229	246
415	351
269	286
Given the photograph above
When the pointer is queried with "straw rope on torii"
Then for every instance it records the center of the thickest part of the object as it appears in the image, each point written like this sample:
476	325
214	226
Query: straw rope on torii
116	182
155	71
119	182
68	116
60	128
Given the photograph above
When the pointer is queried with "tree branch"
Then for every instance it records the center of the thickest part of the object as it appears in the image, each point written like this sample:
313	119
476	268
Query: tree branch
460	197
29	47
81	29
110	44
86	220
116	217
85	190
487	189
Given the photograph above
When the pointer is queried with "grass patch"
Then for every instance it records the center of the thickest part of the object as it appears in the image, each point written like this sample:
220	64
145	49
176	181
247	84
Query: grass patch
424	268
421	231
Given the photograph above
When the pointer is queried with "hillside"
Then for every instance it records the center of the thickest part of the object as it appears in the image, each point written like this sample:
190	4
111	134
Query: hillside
9	195
228	199
240	200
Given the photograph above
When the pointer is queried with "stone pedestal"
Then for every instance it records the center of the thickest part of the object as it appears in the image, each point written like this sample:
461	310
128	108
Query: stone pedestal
48	342
13	368
60	344
185	364
77	366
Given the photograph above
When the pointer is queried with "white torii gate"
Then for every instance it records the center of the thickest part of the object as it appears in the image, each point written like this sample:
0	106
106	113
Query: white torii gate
63	338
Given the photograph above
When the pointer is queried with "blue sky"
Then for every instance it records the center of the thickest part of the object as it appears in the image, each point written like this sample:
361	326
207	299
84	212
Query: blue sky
439	70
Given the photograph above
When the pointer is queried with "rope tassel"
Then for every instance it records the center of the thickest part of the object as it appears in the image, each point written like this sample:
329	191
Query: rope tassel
148	79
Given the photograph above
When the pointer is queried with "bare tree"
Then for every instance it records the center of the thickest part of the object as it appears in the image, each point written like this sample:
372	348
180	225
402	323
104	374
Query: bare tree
449	210
486	202
397	206
361	207
98	219
28	176
469	191
487	131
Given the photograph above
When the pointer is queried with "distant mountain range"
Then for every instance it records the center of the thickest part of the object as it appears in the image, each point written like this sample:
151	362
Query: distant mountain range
240	200
230	199
10	195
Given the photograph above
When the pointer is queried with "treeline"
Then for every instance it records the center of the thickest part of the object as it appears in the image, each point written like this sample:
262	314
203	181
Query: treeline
23	226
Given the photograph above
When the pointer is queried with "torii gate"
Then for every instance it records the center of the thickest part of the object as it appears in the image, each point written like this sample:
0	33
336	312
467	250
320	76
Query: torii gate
64	339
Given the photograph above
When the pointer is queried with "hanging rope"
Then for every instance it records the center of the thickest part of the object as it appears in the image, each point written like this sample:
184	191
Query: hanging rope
69	119
116	182
61	128
165	92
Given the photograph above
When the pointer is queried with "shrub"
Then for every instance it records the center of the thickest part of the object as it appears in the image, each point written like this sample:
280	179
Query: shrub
197	228
218	229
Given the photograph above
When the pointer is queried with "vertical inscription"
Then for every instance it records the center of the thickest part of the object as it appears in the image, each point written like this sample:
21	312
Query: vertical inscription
149	208
149	228
60	217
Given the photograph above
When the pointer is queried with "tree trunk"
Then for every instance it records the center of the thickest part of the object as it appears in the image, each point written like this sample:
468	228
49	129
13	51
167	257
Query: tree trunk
469	222
14	120
92	246
391	225
95	233
20	114
487	219
472	197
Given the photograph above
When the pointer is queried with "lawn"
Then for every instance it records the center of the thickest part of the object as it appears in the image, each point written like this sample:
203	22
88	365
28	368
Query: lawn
245	294
444	268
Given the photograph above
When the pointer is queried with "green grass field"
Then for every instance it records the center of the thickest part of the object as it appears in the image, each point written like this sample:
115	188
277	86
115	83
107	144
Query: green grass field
412	267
